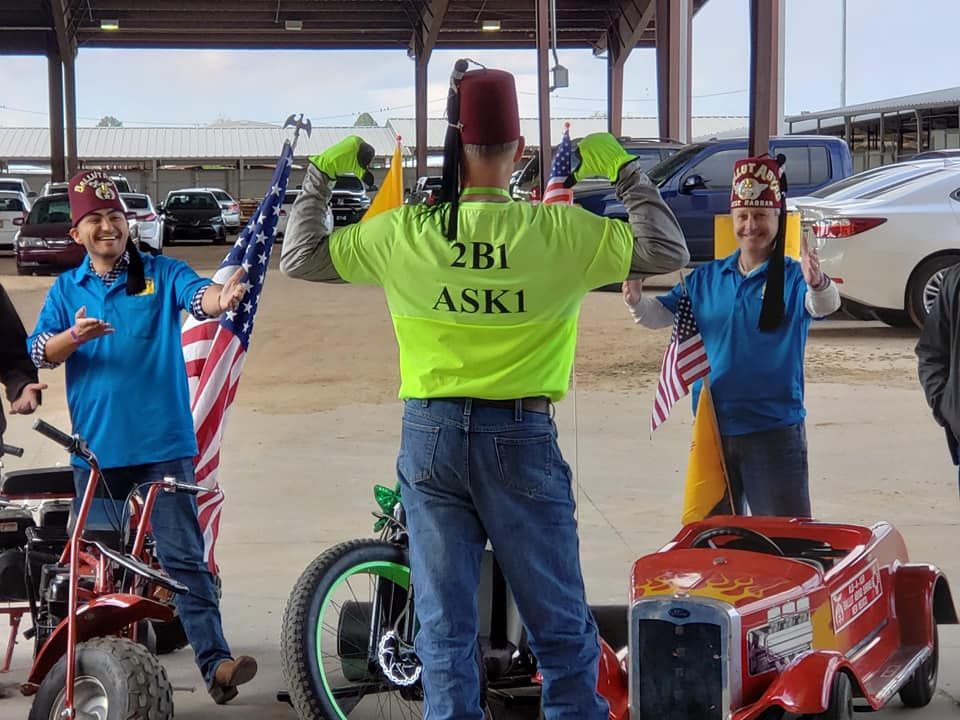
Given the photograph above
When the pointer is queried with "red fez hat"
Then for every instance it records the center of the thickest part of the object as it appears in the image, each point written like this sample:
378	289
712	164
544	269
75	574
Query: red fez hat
92	190
488	108
756	183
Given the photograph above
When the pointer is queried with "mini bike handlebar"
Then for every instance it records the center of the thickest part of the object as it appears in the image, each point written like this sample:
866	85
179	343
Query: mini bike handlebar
67	442
11	450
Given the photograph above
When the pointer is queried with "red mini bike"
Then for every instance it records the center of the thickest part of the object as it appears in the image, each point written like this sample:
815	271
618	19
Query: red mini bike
93	600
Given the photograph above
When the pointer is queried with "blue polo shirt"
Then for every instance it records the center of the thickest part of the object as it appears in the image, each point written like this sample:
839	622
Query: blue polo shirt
127	392
756	377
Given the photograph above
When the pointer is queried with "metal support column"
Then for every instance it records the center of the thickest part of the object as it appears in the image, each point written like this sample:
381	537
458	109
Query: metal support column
70	94
543	90
420	93
616	59
58	169
674	52
764	72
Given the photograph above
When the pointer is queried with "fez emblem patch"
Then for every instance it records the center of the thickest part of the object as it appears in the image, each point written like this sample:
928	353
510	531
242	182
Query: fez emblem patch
149	287
749	189
105	192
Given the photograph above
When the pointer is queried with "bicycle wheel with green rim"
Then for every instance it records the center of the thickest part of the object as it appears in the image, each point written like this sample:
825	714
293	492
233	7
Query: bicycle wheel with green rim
337	614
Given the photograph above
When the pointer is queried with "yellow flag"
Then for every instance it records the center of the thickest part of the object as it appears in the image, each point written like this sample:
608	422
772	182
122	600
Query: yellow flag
390	194
706	483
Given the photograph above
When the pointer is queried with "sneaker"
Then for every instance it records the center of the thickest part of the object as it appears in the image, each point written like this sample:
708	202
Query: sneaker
228	675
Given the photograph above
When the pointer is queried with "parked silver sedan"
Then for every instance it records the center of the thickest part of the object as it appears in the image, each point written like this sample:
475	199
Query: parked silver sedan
146	226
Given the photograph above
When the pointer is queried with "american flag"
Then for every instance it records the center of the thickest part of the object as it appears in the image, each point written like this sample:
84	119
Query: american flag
684	362
556	191
214	350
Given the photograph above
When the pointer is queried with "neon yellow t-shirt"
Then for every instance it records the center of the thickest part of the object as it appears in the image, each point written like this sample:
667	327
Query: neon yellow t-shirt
494	314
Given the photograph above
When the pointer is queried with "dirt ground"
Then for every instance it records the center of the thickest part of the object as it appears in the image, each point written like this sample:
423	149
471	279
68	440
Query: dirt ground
317	346
316	424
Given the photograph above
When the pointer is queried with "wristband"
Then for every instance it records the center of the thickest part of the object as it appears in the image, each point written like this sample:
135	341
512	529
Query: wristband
823	284
76	338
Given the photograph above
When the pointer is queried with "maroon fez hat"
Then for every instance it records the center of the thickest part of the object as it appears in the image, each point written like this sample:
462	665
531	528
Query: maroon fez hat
488	108
91	190
756	183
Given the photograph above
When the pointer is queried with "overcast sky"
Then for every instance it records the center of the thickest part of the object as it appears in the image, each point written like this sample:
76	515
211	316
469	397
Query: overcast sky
893	48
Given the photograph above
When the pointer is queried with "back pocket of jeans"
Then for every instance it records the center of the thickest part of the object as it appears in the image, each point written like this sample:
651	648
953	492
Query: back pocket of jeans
418	446
526	466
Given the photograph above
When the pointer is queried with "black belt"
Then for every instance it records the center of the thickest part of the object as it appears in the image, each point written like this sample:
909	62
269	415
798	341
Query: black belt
533	404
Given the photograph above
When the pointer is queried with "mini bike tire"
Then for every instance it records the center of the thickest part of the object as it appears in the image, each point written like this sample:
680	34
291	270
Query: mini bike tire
298	633
134	681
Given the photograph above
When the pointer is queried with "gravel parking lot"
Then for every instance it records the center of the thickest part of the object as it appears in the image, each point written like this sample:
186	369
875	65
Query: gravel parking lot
316	424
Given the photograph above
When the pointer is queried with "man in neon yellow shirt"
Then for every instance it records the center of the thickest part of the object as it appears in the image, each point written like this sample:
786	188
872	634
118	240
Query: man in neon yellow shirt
485	294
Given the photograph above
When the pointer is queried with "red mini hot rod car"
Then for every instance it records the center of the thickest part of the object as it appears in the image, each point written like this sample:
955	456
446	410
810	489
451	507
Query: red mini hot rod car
750	617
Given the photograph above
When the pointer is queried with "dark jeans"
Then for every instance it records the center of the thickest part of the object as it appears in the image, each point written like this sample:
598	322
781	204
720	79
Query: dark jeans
768	472
471	473
179	546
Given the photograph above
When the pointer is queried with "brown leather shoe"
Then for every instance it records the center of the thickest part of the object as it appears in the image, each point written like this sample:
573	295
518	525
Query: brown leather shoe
228	675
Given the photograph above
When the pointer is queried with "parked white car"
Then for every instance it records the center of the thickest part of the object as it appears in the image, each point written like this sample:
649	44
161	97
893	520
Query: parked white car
285	207
146	227
54	188
888	247
13	206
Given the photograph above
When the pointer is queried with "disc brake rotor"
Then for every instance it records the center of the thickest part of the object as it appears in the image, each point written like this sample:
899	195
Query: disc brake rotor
398	661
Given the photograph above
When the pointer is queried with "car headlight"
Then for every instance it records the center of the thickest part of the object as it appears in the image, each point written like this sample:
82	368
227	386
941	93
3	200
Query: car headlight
32	242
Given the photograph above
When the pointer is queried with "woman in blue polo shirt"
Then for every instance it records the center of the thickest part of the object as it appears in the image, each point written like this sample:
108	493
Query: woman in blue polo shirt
754	310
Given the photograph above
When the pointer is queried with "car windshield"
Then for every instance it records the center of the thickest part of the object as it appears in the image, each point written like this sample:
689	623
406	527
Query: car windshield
122	185
221	196
11	185
191	201
136	202
350	183
54	209
10	204
870	180
665	169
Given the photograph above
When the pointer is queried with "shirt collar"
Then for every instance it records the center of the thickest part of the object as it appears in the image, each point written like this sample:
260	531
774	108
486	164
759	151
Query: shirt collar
122	263
732	264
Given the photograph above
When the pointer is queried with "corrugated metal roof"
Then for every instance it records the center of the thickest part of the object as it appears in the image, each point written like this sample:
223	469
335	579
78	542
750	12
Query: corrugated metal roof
19	144
918	101
256	143
638	127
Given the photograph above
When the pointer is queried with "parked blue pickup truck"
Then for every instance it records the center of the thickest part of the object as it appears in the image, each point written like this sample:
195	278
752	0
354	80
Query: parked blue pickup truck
695	181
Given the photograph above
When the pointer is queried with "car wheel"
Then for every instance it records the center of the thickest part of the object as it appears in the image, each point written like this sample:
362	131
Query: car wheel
922	685
924	285
840	706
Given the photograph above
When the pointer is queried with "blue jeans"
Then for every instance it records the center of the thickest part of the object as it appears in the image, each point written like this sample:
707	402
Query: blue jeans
469	473
176	530
768	472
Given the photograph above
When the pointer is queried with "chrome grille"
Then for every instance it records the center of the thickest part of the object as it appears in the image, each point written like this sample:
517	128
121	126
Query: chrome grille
681	656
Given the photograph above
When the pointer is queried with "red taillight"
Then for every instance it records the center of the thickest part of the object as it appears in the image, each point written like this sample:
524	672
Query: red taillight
844	227
233	206
147	216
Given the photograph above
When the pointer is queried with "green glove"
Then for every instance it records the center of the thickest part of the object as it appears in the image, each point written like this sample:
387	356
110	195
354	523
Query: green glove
349	156
600	154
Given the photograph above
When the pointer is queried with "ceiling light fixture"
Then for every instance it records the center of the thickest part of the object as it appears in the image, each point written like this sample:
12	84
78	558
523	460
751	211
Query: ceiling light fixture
293	24
490	25
109	24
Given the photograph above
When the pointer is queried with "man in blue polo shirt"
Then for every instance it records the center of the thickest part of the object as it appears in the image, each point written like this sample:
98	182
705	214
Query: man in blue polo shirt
115	322
754	310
